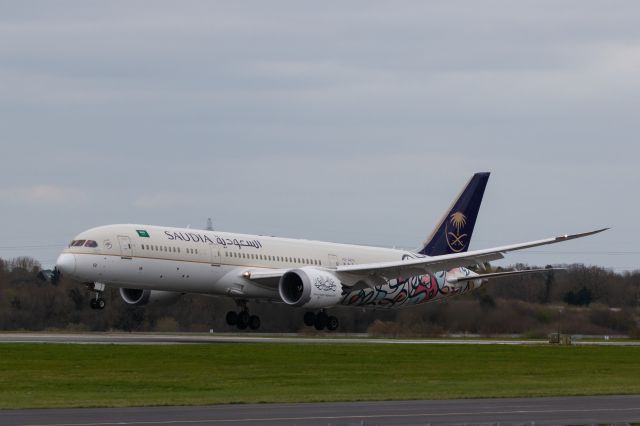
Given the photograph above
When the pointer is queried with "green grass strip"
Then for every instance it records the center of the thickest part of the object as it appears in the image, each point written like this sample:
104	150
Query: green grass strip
48	375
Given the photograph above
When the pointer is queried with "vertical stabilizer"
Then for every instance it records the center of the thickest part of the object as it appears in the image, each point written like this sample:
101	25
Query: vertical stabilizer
453	233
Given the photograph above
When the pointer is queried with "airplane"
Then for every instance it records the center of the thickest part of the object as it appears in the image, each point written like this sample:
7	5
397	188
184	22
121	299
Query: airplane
157	265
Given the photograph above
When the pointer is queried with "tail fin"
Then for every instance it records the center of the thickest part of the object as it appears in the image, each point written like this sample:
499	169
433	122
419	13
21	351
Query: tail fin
453	233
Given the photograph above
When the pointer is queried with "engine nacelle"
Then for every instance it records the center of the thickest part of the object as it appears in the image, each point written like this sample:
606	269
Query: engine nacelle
138	297
310	288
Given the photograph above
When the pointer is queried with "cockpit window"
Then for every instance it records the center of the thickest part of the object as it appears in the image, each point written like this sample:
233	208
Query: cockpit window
91	243
78	243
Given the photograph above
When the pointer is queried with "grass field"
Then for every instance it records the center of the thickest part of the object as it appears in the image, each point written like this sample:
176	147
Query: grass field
47	375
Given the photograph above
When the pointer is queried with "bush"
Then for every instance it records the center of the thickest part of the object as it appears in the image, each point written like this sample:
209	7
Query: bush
619	321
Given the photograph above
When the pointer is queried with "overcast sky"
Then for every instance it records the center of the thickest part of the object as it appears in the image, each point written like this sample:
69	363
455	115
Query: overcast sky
346	121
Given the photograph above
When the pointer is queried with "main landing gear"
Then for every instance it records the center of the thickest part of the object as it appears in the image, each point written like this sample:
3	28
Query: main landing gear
97	301
243	319
321	321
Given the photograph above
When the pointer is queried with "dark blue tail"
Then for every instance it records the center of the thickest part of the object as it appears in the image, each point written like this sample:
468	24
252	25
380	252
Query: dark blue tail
453	234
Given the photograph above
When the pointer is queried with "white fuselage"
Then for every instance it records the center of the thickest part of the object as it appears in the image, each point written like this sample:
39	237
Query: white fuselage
211	262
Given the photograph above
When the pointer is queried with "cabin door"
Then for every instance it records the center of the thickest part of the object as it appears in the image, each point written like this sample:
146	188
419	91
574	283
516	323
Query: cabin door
126	250
215	254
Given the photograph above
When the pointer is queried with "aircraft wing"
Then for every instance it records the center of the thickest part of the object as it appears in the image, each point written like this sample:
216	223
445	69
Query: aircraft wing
419	266
431	265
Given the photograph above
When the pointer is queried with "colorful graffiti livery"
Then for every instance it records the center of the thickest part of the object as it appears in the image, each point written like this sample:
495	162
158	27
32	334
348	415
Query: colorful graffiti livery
412	291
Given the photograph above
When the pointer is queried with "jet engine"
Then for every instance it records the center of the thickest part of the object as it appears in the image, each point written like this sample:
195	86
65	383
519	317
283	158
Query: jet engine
310	287
138	297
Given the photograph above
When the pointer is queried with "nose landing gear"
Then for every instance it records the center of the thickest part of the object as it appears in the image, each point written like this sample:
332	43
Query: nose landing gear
97	302
243	319
321	321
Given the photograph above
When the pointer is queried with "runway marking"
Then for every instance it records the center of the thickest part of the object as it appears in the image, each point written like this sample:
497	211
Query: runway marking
372	416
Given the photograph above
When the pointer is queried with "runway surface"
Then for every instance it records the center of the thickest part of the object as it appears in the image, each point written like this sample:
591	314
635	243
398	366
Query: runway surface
539	411
143	338
166	339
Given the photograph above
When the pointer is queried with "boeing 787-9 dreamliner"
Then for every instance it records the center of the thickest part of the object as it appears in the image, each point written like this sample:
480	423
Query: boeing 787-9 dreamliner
152	264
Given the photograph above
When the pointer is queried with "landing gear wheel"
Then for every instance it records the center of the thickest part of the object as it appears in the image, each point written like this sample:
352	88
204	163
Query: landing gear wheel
232	318
254	322
320	321
309	319
93	304
332	323
243	320
100	303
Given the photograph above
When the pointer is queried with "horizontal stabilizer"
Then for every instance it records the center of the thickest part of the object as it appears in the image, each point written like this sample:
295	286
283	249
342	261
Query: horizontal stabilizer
455	280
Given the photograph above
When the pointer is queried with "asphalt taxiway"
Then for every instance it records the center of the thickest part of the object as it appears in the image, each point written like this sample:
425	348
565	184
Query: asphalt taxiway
539	411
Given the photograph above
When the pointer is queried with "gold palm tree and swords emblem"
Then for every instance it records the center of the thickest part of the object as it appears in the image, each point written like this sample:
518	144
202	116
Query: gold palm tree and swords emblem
455	238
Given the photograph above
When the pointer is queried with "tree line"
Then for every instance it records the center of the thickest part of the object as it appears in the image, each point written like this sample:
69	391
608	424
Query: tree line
582	300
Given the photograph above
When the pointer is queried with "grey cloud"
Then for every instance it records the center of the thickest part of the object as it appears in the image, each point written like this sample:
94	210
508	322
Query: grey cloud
354	122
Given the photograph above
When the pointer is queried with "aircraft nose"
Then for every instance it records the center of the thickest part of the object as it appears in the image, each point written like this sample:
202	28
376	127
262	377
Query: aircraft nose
66	263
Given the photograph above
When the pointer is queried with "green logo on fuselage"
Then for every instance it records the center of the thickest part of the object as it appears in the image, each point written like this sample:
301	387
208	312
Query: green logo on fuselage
142	233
